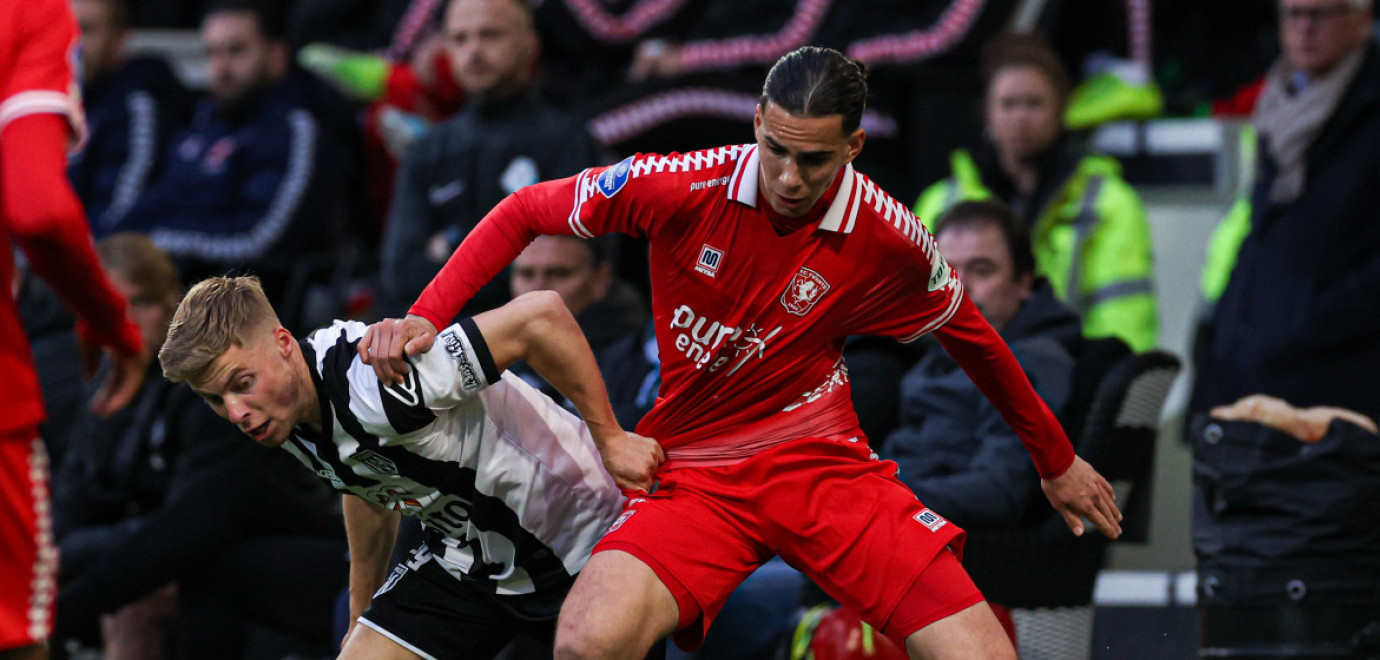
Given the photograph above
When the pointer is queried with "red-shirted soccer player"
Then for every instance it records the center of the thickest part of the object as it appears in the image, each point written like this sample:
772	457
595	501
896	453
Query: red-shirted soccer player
39	115
764	258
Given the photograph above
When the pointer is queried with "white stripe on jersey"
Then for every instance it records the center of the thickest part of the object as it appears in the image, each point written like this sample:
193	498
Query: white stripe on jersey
499	469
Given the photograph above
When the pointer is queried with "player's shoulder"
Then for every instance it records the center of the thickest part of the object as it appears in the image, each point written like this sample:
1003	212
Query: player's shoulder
884	219
338	337
709	168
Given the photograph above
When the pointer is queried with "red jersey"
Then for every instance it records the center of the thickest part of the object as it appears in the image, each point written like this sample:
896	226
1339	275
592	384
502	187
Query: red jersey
751	324
38	209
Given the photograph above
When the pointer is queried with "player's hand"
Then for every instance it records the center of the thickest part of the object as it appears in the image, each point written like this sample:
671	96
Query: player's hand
385	342
632	460
1080	492
123	377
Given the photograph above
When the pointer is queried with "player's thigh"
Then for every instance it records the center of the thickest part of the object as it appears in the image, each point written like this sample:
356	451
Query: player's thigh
617	609
856	531
365	643
424	609
969	634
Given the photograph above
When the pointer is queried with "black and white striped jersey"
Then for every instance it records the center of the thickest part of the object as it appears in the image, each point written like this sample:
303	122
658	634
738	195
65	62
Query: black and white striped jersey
509	485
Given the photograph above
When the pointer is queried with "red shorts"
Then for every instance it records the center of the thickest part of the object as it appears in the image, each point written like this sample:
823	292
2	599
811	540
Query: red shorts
28	559
827	507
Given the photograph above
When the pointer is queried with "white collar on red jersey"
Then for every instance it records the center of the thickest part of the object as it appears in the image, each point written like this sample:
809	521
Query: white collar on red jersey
842	213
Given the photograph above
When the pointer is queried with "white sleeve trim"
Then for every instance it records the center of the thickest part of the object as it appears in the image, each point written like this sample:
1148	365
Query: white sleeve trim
43	101
955	298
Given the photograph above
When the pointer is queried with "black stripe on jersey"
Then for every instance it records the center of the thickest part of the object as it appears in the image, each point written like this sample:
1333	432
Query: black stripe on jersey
327	454
403	402
487	513
481	349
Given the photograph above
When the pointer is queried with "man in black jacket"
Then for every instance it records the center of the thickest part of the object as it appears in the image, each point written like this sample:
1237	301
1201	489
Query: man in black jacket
1295	320
952	446
506	138
1283	530
133	106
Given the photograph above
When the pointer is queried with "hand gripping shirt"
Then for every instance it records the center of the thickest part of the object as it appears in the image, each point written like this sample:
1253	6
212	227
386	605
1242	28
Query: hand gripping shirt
751	324
509	486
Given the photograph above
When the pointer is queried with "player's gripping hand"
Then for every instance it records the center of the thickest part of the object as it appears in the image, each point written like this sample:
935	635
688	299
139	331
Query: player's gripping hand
385	342
1080	492
631	459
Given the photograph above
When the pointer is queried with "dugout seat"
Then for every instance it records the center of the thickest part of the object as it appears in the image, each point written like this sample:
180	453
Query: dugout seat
1043	573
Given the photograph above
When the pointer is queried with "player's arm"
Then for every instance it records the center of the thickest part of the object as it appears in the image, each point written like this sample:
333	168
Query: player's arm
631	197
371	530
43	215
493	244
1074	488
538	329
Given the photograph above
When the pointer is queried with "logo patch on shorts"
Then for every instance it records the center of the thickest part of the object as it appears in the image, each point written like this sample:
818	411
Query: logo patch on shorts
621	519
614	178
931	520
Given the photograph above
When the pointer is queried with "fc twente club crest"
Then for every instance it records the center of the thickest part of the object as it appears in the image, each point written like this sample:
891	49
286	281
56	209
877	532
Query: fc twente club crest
805	289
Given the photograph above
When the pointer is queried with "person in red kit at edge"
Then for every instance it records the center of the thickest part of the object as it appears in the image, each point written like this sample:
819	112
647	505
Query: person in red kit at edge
764	258
40	116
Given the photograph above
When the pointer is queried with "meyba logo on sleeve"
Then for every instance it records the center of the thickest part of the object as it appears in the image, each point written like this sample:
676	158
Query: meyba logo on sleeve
614	178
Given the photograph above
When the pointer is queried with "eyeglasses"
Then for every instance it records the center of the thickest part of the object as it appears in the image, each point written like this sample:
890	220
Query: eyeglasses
1317	13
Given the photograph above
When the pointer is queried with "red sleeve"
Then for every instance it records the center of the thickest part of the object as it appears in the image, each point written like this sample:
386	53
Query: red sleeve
988	361
42	77
493	244
43	215
630	197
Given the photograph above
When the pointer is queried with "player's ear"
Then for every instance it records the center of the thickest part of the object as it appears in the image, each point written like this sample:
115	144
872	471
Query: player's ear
283	341
855	142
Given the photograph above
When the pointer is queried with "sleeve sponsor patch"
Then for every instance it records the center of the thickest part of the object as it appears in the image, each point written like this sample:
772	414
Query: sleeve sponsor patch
614	178
939	272
469	376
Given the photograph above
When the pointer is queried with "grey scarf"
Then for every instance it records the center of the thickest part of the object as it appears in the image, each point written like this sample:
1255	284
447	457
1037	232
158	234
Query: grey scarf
1292	120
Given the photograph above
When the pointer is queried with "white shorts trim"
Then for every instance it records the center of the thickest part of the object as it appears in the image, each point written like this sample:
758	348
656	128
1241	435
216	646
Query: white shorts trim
396	640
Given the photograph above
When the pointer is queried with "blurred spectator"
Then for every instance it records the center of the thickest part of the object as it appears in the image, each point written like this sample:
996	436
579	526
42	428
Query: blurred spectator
1118	82
587	45
166	491
260	180
506	138
1308	263
953	447
631	366
1283	529
133	106
161	474
1088	227
607	309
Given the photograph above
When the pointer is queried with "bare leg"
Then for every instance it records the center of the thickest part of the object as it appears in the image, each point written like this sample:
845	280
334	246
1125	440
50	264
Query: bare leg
366	643
970	634
615	611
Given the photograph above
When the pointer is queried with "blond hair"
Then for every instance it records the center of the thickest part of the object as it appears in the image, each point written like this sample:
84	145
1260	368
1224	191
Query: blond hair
219	312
